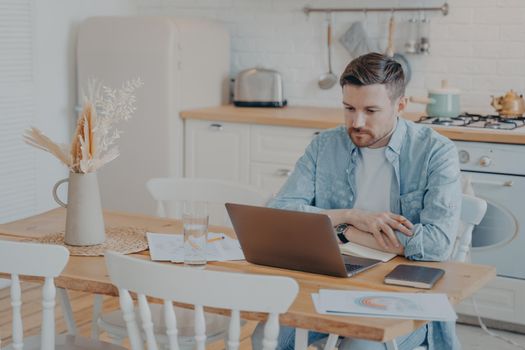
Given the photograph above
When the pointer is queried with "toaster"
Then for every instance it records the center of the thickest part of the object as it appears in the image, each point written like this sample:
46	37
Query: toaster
258	87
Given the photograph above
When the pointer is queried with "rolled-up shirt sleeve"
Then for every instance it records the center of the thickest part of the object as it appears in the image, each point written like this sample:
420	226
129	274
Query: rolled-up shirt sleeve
298	192
440	206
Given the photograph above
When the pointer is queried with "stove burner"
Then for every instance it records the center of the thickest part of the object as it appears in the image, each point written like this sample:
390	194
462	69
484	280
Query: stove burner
492	125
470	120
446	122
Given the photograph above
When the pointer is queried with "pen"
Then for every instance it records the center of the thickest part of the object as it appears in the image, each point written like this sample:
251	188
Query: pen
215	239
193	244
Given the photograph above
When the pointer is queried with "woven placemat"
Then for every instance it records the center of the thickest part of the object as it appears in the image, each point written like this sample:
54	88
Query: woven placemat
125	240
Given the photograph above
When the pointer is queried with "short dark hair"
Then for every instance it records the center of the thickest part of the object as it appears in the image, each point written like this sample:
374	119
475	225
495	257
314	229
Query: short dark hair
375	68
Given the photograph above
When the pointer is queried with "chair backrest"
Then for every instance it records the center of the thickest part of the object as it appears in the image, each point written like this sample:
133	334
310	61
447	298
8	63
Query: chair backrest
234	291
41	260
472	212
169	192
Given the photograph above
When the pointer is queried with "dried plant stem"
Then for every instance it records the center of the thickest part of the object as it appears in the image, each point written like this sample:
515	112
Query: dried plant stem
36	138
89	120
82	146
75	145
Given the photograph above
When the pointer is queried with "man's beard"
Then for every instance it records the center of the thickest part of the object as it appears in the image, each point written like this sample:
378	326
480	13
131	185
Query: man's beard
369	141
355	135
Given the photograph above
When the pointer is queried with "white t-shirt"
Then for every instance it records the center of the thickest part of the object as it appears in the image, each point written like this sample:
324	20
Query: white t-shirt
373	180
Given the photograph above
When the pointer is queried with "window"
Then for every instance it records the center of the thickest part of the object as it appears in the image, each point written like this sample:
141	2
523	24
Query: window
17	101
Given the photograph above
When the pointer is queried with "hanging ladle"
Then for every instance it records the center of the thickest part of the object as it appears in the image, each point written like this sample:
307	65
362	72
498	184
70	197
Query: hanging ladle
327	80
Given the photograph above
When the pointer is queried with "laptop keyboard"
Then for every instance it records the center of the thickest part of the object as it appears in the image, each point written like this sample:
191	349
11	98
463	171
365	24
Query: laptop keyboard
353	267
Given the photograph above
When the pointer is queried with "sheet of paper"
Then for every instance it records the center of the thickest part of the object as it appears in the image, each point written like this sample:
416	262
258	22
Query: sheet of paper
319	309
163	247
224	249
169	247
416	306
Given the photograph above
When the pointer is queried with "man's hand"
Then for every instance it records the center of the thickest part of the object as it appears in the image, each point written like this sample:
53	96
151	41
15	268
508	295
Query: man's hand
381	226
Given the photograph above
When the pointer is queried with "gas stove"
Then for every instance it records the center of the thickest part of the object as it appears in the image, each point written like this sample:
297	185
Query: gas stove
470	120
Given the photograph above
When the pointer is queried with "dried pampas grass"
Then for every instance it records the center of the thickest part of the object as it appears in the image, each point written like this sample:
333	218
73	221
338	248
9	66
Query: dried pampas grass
92	144
82	144
36	138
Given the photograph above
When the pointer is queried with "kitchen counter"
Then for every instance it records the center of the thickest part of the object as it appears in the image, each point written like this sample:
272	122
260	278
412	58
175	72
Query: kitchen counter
324	118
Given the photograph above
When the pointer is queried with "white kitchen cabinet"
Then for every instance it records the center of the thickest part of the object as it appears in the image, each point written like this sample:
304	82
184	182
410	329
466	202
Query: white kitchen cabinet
269	176
261	155
501	300
274	150
278	144
217	150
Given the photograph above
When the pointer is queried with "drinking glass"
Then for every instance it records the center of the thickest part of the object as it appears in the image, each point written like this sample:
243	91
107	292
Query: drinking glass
195	221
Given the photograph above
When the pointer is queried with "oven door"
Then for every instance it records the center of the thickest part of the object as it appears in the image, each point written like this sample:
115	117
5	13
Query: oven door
499	240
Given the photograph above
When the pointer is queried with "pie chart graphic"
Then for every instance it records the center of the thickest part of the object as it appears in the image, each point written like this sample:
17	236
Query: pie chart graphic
387	303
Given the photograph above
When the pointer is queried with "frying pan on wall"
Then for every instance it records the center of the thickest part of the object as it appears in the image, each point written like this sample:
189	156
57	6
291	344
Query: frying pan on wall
401	59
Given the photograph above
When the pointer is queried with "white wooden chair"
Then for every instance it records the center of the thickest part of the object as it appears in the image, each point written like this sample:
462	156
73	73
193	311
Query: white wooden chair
45	261
201	288
472	211
65	304
168	192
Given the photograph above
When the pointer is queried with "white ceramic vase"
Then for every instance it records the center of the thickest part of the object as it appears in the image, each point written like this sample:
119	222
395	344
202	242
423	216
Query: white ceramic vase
84	220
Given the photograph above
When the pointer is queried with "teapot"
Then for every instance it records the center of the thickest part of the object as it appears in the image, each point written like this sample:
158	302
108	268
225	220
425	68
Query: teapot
511	105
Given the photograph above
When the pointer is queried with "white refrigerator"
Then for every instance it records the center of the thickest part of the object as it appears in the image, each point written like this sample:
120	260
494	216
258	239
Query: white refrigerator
183	63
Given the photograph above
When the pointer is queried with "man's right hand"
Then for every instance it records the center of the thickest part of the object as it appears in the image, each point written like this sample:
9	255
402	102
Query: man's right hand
381	226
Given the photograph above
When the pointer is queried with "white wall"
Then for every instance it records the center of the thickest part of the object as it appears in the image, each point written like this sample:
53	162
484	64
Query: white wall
55	78
479	47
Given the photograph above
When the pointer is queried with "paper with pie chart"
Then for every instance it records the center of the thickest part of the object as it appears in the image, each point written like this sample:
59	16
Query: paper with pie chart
416	306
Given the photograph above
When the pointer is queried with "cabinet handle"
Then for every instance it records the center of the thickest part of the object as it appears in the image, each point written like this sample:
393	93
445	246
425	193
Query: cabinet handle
216	126
507	183
283	172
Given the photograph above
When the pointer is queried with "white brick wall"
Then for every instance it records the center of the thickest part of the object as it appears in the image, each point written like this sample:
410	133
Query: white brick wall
479	47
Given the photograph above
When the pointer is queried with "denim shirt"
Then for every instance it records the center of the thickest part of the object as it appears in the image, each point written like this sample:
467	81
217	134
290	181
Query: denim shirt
425	189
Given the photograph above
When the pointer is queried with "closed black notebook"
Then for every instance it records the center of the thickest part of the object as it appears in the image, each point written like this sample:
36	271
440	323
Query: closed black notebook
414	276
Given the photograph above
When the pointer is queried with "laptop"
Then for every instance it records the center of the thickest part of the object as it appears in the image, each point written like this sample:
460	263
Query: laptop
292	240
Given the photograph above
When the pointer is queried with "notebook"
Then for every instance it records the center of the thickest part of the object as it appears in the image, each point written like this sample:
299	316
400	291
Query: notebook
355	249
414	276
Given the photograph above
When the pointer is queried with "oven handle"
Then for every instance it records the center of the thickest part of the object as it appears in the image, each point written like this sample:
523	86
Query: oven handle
508	183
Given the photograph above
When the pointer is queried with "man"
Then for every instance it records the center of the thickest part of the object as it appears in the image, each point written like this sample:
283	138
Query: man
385	182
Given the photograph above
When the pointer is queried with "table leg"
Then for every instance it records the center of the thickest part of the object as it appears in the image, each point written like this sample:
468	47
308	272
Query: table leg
301	339
391	345
331	341
97	310
65	304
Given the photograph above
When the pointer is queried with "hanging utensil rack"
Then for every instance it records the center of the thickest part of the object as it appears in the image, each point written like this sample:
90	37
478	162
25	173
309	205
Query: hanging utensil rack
444	9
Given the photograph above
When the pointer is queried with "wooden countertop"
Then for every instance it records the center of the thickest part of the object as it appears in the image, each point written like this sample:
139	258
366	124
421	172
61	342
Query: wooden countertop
325	118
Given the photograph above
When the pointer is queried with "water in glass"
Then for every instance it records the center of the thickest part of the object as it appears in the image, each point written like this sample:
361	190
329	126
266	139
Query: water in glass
195	221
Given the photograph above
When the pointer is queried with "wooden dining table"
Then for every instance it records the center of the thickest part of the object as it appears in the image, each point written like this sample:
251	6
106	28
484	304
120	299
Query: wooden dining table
89	274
